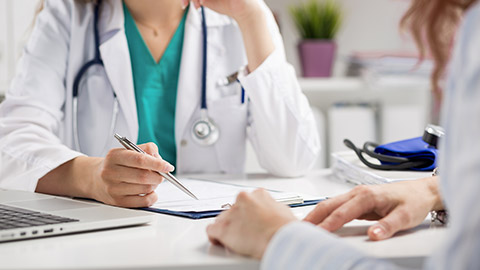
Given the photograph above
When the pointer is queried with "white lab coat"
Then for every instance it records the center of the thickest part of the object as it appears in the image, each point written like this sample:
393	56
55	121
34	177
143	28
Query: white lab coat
36	117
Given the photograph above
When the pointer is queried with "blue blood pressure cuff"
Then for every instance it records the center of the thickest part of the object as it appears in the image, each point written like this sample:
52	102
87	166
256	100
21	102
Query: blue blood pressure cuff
412	154
415	150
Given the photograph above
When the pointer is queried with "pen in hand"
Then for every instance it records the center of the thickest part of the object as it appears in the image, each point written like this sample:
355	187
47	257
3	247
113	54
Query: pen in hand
168	176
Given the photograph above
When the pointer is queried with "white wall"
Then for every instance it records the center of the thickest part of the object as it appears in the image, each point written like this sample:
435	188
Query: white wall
15	19
4	36
23	15
368	25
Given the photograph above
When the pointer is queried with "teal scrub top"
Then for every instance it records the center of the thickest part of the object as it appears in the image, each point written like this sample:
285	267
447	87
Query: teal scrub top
155	87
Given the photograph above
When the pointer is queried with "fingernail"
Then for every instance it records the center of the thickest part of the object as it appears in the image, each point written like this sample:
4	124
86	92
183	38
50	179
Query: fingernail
379	232
184	5
169	167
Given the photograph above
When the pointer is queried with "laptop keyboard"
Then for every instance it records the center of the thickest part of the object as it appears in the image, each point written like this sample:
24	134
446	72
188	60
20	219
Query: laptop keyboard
13	217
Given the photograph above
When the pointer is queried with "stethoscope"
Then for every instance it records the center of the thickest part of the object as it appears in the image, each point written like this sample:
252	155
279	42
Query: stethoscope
204	130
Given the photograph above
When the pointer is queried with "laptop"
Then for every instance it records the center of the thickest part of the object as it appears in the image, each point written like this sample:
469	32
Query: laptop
25	215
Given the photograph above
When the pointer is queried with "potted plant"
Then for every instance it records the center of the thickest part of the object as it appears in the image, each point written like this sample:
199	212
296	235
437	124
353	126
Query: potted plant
318	23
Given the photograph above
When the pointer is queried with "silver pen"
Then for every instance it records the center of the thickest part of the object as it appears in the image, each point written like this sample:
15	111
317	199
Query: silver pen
131	146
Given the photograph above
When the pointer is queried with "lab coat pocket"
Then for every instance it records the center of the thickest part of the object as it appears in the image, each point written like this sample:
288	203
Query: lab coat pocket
230	115
225	91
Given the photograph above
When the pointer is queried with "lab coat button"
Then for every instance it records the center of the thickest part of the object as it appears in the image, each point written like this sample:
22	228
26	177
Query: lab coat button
183	142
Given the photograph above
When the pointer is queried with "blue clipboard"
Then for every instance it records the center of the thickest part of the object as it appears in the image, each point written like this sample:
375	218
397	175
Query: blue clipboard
208	214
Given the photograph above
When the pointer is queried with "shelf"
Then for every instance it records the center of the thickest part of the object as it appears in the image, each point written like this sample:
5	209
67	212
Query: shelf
331	84
354	84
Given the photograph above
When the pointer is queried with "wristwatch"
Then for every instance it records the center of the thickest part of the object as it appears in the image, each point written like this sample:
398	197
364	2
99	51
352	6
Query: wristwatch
440	215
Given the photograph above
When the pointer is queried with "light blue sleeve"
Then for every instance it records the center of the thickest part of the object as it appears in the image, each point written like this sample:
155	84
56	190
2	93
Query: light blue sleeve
460	160
301	245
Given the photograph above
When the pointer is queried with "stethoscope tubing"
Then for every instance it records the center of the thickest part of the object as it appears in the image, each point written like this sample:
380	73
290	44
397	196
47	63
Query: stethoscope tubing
204	62
400	163
76	84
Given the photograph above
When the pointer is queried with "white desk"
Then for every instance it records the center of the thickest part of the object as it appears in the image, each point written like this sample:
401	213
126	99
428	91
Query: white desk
180	243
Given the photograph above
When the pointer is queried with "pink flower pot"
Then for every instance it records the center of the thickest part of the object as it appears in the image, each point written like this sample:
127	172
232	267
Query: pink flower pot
317	57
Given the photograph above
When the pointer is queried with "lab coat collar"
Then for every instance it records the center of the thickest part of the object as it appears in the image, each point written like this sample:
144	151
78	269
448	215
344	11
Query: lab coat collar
188	93
116	60
111	19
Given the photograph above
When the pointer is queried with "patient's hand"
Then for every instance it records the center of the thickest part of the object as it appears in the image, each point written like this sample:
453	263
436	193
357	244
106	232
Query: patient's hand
249	225
397	206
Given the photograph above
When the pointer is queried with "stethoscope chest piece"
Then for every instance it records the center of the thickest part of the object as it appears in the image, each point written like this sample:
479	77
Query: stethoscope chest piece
204	131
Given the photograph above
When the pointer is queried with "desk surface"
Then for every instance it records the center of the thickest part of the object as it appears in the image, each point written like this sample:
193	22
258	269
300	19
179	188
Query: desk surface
180	243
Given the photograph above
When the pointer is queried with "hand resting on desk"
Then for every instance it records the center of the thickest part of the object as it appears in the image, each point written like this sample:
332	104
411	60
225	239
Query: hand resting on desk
250	224
397	206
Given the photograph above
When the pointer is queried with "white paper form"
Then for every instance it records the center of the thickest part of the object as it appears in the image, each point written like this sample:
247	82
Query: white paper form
211	196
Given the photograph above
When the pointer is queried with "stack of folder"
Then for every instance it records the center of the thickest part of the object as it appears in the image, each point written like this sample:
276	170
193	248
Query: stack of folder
347	167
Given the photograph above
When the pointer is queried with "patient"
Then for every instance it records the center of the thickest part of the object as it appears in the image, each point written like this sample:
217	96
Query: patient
257	226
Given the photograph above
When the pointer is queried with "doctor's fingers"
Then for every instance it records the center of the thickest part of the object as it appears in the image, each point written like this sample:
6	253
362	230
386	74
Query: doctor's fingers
184	3
119	173
150	148
197	3
134	159
127	189
135	201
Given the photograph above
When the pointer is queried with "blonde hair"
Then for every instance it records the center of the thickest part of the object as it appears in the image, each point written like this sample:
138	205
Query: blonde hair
433	24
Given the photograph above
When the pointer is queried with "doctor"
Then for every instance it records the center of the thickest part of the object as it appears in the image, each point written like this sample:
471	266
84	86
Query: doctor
164	74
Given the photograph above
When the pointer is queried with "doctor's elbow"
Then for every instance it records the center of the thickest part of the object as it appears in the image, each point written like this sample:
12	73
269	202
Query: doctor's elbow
294	167
290	173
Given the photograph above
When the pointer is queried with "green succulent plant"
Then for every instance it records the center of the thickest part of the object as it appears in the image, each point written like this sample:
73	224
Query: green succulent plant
317	19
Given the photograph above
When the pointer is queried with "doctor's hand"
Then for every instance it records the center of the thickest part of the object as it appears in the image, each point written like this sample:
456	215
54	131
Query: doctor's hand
397	206
252	22
248	226
128	179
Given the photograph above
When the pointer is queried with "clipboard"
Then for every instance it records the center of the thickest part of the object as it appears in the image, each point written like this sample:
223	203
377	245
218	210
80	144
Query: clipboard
212	196
209	214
